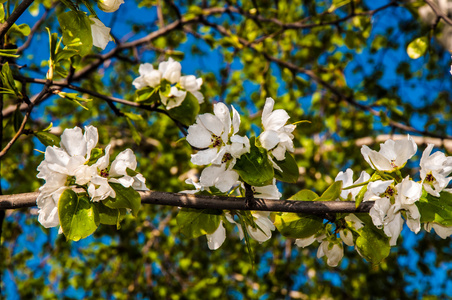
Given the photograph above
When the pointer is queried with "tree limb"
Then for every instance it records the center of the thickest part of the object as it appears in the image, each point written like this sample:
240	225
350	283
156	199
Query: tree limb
215	202
14	16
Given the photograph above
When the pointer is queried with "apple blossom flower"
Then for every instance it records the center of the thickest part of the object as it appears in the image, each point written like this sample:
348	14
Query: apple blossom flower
392	155
101	33
264	226
277	137
192	84
67	166
109	5
212	131
219	177
347	180
217	238
333	251
434	171
441	230
174	98
148	77
170	70
267	191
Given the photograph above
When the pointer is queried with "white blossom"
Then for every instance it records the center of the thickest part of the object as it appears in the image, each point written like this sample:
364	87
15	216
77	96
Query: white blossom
192	84
333	251
217	238
174	98
392	155
219	177
170	70
441	230
347	180
277	137
101	33
109	5
434	171
148	77
68	164
264	226
212	132
267	191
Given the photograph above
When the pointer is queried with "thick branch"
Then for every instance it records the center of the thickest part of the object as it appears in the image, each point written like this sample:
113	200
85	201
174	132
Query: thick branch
14	16
214	202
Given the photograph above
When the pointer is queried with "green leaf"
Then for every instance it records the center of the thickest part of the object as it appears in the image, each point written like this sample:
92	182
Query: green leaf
133	117
78	216
296	226
135	134
17	118
332	193
76	28
195	222
125	198
254	167
147	95
337	4
131	172
187	112
110	216
290	169
360	197
417	47
372	246
9	52
95	154
436	209
65	54
8	80
165	87
47	139
22	30
304	195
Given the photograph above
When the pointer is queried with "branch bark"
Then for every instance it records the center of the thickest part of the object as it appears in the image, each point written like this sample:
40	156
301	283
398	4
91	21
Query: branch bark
215	202
14	16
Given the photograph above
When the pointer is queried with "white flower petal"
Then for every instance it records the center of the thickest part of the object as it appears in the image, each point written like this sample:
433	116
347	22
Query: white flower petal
217	238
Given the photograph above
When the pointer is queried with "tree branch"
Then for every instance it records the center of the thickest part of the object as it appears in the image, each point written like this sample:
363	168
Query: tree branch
14	16
215	202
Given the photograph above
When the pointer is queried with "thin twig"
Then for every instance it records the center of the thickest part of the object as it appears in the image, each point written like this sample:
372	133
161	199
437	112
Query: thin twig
14	16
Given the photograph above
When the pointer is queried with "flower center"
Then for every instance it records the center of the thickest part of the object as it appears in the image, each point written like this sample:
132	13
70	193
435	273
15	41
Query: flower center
226	157
104	173
390	191
429	178
216	141
393	163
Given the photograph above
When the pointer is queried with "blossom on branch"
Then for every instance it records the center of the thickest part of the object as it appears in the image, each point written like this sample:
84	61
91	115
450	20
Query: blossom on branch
277	136
109	5
434	171
73	165
393	155
101	33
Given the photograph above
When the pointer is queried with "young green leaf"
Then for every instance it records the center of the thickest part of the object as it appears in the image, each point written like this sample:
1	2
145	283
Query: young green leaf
125	198
76	28
47	139
78	216
195	222
289	169
372	246
417	47
436	209
254	167
187	112
332	193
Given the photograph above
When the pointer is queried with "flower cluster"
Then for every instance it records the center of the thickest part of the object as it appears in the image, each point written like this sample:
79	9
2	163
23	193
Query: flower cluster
397	199
100	32
77	163
221	149
172	87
